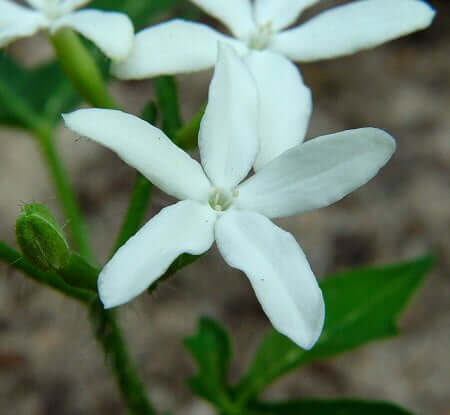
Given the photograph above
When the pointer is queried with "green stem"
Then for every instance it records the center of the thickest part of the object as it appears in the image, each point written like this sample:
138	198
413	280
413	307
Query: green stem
65	192
167	98
51	279
135	215
187	136
81	68
110	337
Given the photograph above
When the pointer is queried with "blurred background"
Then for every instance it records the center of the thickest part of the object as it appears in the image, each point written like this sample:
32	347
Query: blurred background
49	361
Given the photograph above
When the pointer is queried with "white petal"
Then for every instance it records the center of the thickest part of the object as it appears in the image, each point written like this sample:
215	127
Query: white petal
228	136
112	32
186	227
70	5
353	27
285	104
144	147
17	21
278	271
317	173
235	14
280	13
174	47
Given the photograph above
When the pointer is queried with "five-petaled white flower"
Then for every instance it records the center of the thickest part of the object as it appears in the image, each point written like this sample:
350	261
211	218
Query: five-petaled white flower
218	201
262	34
112	32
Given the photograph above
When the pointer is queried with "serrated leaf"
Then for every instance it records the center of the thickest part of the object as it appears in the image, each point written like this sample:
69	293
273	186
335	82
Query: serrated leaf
140	11
329	407
362	306
211	349
32	96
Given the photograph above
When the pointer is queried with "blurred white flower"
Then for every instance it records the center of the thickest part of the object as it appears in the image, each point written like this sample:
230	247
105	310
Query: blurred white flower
219	204
112	32
262	34
182	46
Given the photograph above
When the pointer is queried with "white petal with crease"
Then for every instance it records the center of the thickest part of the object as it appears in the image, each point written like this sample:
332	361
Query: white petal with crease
317	173
186	227
353	27
177	46
17	21
278	271
285	104
228	136
144	147
281	13
235	14
112	32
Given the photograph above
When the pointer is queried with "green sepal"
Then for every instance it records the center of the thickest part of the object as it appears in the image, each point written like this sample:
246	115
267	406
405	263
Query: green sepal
41	239
79	273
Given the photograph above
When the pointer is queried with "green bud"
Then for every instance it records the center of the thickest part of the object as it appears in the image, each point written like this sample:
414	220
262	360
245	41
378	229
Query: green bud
41	239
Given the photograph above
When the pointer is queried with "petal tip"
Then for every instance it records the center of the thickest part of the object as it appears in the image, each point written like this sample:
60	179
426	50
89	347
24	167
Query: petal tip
108	296
382	137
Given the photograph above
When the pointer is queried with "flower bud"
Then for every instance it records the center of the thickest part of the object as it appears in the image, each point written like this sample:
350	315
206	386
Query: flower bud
41	239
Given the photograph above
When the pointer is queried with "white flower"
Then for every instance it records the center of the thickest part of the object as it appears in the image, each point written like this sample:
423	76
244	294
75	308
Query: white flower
259	30
216	206
112	32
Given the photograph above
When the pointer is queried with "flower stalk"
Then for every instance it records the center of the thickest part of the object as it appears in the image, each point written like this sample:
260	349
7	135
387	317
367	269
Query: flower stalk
81	68
112	341
65	191
137	207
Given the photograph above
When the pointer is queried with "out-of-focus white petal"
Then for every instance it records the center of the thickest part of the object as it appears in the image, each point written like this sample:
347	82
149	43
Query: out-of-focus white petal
280	13
228	136
317	173
18	21
184	227
353	27
177	46
278	271
285	104
144	147
112	32
236	14
70	5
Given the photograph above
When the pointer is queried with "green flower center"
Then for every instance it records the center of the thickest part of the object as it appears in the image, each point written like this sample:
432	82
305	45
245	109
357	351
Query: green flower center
220	200
261	39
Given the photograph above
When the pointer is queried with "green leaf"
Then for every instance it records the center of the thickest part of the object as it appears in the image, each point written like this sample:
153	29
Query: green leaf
211	349
329	407
29	97
362	306
140	11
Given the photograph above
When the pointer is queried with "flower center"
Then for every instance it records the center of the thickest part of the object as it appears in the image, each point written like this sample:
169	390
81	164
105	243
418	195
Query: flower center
221	200
261	38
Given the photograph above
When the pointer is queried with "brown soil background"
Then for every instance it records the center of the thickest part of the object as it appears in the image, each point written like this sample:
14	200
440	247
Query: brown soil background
49	362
